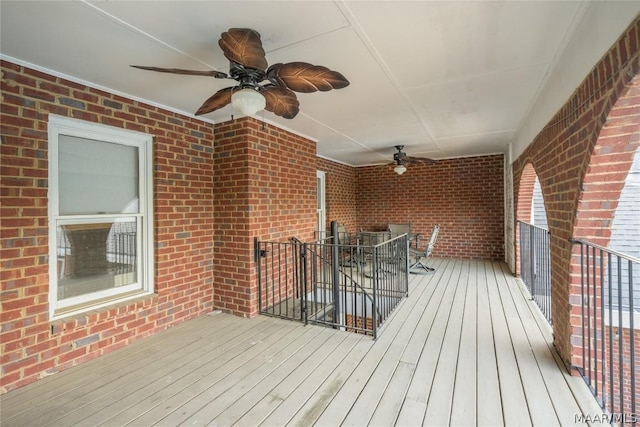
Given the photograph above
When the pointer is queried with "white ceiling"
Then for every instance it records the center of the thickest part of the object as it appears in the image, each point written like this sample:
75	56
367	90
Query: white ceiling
445	79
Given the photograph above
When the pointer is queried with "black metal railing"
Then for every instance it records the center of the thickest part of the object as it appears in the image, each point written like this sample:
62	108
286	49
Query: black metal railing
610	311
535	265
349	285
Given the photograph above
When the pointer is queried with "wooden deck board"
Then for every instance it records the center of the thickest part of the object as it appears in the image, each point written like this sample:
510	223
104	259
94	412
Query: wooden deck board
514	402
442	389
315	395
233	387
489	403
564	406
156	375
421	384
370	379
466	347
388	407
97	369
194	395
414	407
560	387
323	343
463	406
111	375
165	386
293	387
541	410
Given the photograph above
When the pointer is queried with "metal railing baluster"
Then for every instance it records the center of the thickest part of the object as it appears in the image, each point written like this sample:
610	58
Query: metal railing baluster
535	268
611	372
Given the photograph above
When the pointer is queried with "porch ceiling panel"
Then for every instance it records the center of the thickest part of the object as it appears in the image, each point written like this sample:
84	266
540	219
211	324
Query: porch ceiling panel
434	41
421	72
475	145
195	28
486	103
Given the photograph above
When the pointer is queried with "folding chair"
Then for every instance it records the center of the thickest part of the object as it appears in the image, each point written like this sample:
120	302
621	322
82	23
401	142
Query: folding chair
423	254
348	255
398	229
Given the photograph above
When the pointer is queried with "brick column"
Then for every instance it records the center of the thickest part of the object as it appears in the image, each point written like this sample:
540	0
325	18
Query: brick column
265	187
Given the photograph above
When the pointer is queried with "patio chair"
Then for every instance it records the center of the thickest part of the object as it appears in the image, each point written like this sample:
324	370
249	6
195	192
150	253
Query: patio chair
376	260
396	229
423	254
346	252
343	235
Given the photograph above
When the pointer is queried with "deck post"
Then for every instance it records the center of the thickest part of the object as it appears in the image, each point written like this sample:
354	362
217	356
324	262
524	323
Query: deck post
335	270
302	282
532	271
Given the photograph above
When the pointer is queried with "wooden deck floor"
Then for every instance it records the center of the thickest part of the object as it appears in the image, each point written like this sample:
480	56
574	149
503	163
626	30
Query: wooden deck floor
466	348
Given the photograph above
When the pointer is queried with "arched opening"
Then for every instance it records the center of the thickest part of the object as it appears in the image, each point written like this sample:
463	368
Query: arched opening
538	211
533	255
625	239
523	206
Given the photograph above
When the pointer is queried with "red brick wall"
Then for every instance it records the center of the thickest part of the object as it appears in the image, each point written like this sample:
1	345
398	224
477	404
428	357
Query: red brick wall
359	322
31	345
579	157
465	196
340	193
265	185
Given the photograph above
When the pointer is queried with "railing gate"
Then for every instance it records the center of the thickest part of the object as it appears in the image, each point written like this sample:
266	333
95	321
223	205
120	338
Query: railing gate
349	286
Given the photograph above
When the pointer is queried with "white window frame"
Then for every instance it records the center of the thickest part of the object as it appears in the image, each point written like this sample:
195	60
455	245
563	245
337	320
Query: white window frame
144	283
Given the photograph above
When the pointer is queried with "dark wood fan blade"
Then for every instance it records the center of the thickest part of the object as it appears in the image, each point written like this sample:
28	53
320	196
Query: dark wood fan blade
419	160
219	99
306	78
281	101
210	73
243	45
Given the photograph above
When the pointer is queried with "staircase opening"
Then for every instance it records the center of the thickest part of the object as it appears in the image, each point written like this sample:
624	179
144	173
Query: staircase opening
349	282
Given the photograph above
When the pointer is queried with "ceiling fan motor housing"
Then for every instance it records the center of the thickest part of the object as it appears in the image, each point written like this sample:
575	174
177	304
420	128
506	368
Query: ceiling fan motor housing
248	77
399	157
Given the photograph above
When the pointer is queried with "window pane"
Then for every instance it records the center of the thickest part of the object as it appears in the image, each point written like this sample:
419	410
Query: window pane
96	257
97	177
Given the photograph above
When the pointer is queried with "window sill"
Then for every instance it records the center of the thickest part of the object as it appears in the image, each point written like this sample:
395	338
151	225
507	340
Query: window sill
82	310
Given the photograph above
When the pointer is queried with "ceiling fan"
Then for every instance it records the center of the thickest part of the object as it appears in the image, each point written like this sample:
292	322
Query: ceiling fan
260	87
401	160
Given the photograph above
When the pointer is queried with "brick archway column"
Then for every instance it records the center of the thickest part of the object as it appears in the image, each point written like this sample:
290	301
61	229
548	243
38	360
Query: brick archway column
602	185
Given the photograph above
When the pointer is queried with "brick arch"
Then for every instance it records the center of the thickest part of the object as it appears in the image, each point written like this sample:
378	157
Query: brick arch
608	168
525	192
561	154
602	184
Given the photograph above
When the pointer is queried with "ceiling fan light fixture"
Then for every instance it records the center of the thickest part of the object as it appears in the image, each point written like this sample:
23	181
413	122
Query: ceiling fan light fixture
400	169
249	67
248	101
